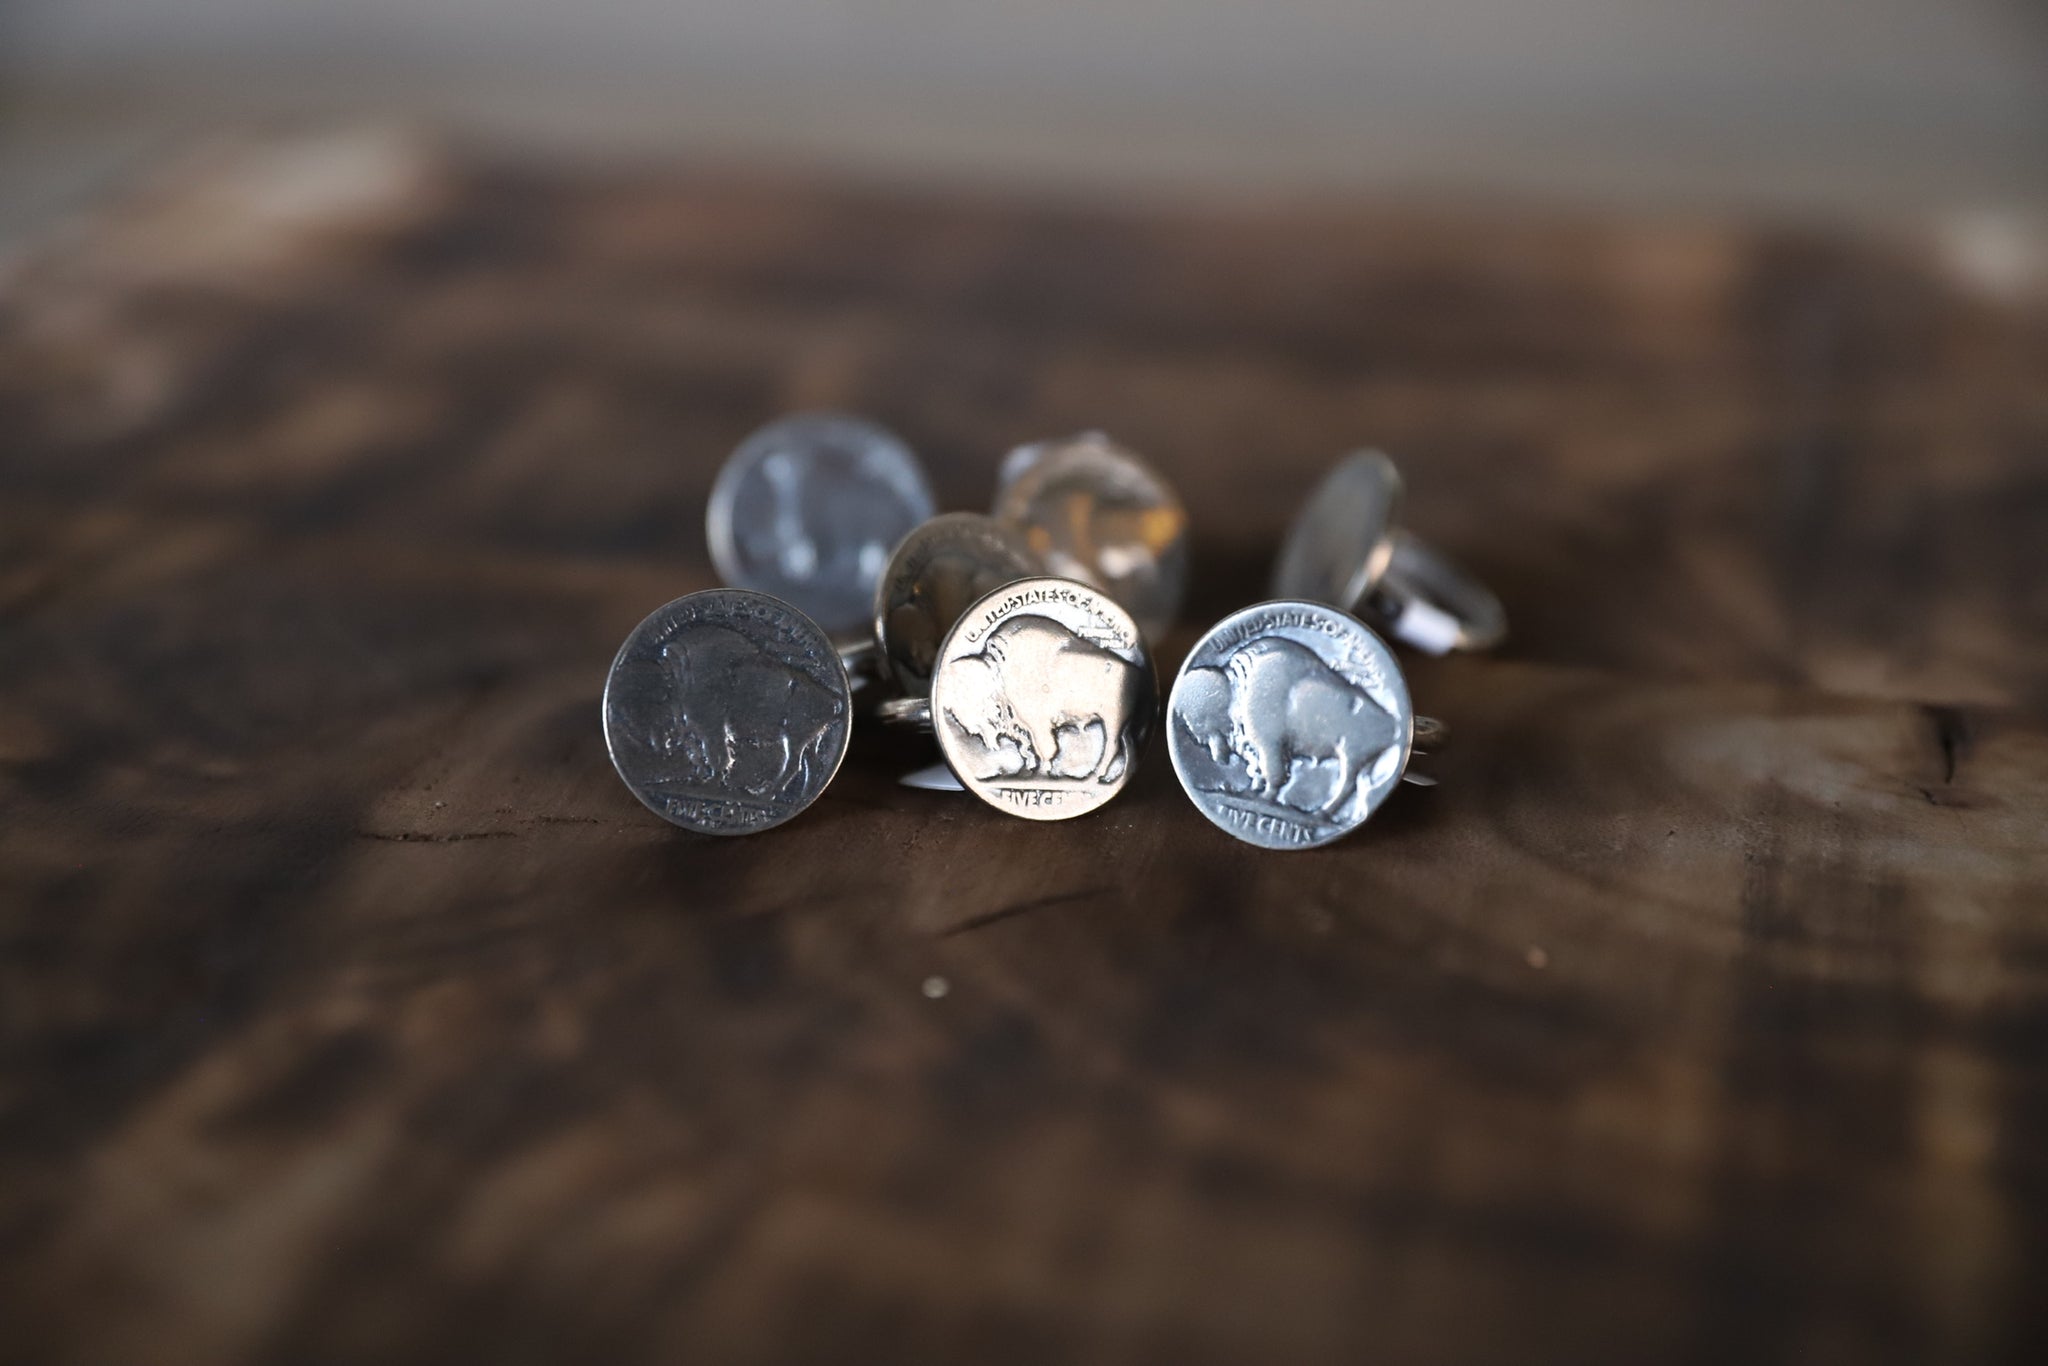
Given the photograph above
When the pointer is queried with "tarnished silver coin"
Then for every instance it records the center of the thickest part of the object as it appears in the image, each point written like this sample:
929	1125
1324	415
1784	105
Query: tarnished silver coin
1344	549
1289	724
808	509
937	573
1091	510
727	711
1044	698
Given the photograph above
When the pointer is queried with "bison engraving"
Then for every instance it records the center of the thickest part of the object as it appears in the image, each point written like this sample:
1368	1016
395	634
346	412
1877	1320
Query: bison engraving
1274	702
743	719
1034	679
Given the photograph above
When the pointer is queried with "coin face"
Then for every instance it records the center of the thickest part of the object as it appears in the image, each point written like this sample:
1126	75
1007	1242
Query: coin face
1093	511
1044	698
937	573
1289	724
808	509
727	712
1337	547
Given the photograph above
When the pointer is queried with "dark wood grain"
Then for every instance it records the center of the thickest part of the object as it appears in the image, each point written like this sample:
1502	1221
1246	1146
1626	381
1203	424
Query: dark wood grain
351	1010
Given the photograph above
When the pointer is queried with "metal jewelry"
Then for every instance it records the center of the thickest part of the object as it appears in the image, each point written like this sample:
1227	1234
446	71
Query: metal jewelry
936	573
1042	701
1290	722
727	711
808	509
1093	511
1344	549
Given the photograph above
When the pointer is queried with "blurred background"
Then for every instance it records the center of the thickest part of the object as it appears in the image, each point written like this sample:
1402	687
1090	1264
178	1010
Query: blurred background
330	479
1800	106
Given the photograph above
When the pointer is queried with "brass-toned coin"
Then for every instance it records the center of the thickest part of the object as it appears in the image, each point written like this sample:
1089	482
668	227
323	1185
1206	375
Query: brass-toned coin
939	571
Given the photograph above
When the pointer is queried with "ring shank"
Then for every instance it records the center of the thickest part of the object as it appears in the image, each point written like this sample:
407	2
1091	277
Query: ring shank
909	713
1431	603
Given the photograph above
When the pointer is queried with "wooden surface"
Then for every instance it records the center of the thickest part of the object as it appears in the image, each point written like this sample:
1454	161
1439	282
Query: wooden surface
352	1010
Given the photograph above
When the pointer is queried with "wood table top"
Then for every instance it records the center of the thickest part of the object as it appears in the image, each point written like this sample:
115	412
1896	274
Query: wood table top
352	1010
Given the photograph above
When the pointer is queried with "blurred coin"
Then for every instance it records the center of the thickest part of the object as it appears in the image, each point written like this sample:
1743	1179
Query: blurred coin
1337	548
937	573
1093	511
1345	550
808	509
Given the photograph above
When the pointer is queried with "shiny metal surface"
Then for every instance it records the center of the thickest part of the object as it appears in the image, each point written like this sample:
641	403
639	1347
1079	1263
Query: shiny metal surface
1336	550
1092	510
932	778
1345	549
1432	602
1044	698
906	713
727	712
808	509
938	571
1289	723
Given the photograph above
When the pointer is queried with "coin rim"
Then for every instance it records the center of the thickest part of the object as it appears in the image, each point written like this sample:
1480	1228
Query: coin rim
825	647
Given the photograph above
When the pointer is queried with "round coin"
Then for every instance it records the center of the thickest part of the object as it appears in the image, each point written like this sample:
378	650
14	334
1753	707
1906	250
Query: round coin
938	571
1337	547
808	509
1043	698
1093	511
727	712
1289	724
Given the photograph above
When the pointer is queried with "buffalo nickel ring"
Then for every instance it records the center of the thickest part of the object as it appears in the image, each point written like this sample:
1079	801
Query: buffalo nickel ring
808	509
1043	698
939	571
1289	724
727	712
1093	511
1344	549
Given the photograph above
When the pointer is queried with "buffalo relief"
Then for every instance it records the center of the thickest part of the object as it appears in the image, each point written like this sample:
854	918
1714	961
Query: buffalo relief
1044	698
1289	723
